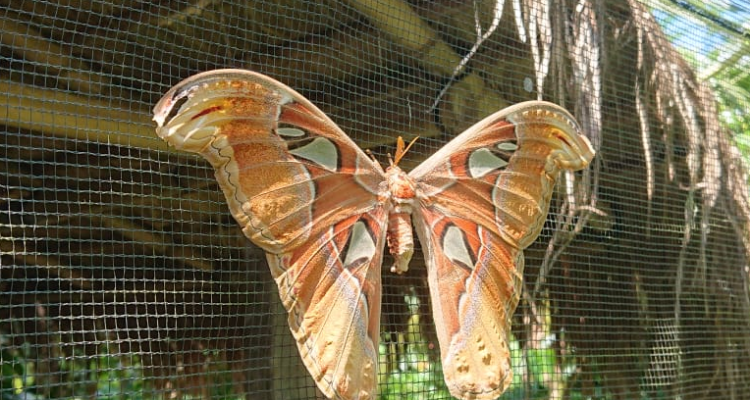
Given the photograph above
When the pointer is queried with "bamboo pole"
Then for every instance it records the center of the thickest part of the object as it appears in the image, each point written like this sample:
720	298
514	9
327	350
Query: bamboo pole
31	45
58	113
407	29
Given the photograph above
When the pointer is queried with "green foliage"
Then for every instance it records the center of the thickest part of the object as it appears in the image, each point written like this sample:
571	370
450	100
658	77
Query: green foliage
734	103
107	376
708	36
413	384
410	362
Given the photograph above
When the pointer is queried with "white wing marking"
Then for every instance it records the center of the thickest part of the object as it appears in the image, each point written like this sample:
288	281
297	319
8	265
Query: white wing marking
320	151
483	161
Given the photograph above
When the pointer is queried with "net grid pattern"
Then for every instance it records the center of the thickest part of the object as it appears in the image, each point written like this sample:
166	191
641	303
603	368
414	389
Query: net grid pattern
123	275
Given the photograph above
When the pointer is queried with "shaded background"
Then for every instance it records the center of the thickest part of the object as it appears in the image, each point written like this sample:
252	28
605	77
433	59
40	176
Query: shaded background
122	274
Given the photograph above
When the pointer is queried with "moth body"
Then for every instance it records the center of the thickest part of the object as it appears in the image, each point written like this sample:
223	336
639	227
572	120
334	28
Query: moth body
401	192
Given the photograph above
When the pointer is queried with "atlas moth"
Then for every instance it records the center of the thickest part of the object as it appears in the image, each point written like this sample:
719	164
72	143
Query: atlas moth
323	211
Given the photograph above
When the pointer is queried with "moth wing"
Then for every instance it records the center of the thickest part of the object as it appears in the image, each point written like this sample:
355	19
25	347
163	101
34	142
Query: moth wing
308	196
483	198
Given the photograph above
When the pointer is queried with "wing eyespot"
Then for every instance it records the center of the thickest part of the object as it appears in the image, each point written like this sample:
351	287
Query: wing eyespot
484	160
507	146
456	248
360	246
321	151
290	132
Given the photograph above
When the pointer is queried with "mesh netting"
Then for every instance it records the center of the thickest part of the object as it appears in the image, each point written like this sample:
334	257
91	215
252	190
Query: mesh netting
123	274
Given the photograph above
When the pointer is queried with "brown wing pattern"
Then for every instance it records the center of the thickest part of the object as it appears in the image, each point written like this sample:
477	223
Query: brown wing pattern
483	199
306	194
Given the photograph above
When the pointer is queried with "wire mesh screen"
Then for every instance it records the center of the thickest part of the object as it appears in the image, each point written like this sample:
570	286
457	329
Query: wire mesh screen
123	274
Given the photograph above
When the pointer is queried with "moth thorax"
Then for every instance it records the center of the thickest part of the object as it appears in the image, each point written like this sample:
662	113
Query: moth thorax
400	240
400	185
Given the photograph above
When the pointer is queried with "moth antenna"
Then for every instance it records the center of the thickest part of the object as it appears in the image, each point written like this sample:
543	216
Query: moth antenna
375	160
400	150
369	153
